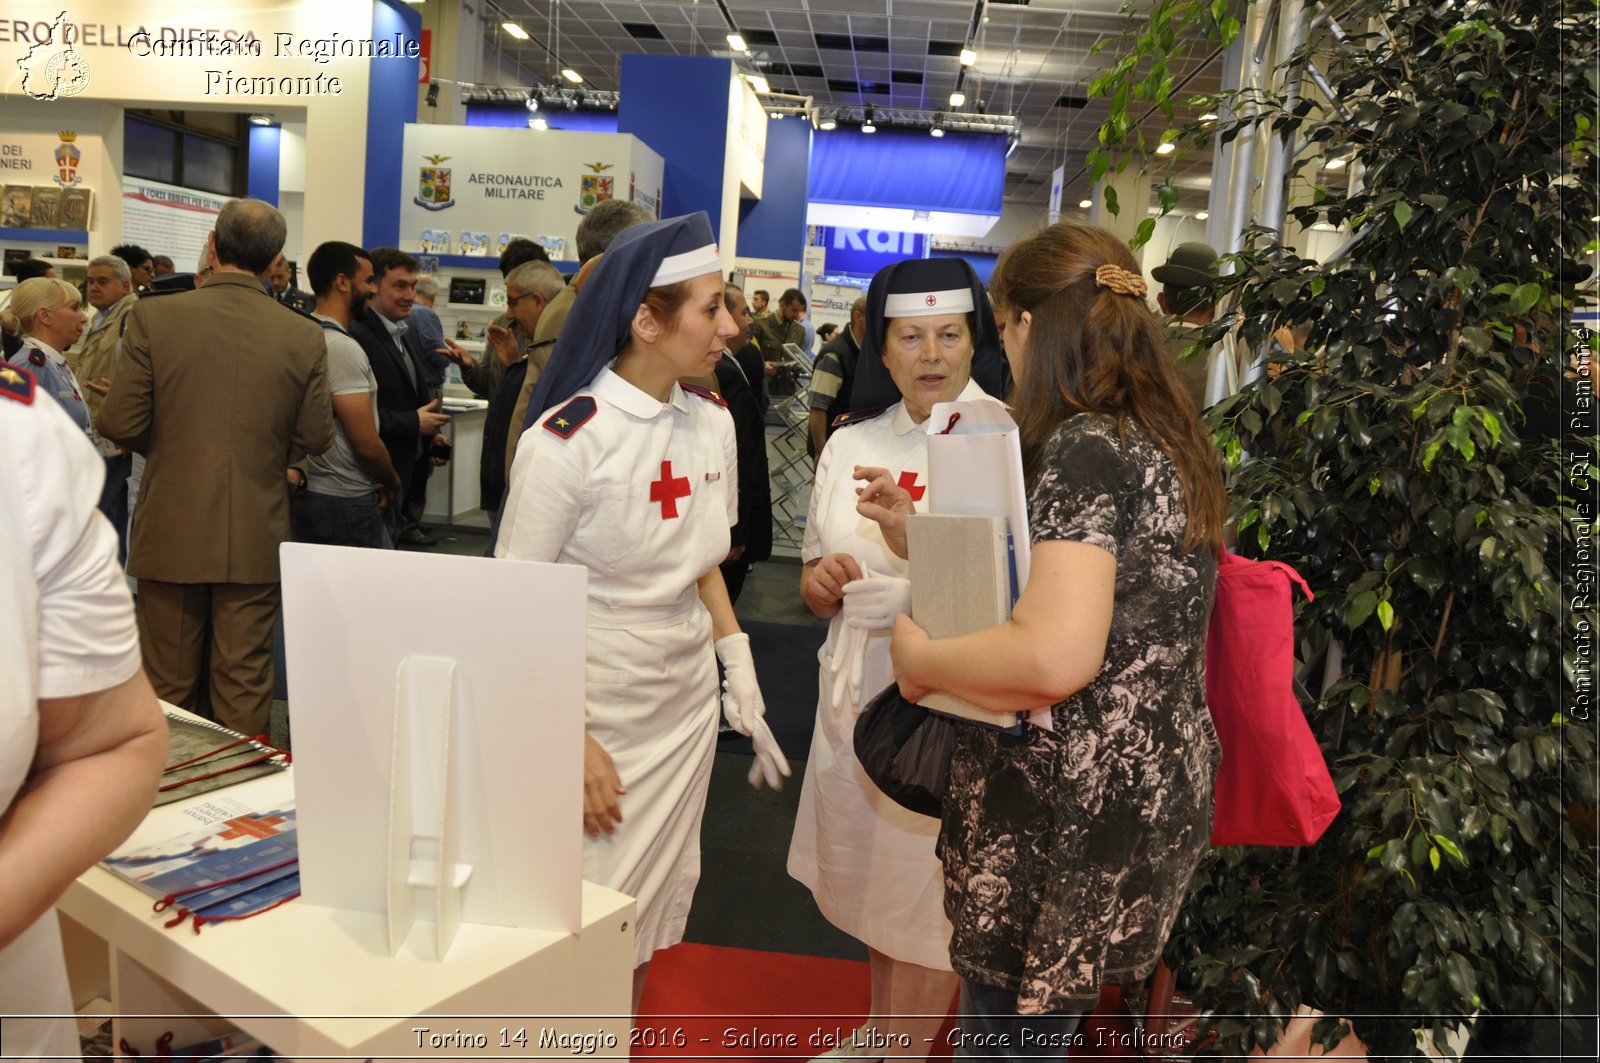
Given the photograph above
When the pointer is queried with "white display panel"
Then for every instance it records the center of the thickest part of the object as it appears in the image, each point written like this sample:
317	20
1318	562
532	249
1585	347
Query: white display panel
485	181
501	765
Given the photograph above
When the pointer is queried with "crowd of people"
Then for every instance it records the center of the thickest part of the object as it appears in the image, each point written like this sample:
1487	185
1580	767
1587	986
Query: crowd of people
625	432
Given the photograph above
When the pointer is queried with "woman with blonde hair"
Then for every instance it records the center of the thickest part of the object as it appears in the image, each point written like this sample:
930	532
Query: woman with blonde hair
46	313
1067	850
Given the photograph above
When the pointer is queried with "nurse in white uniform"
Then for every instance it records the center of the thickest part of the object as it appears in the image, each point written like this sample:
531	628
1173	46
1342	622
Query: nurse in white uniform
869	863
82	740
625	471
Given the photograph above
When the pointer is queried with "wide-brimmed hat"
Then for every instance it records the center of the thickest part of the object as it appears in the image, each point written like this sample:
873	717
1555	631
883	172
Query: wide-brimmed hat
1191	265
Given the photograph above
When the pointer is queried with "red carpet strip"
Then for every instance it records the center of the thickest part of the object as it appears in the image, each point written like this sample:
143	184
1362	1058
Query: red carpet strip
708	1002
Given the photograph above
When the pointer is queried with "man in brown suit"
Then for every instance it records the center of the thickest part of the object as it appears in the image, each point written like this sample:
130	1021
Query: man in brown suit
221	389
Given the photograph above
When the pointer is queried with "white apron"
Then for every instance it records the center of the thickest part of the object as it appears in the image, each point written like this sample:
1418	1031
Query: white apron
869	863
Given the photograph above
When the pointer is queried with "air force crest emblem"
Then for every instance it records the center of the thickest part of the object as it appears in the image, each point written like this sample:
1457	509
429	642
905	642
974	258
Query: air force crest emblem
433	186
594	187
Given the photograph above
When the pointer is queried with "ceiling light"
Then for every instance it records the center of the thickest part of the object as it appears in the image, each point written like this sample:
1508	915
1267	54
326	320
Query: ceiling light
1335	163
775	115
736	42
1595	218
1166	148
1201	215
261	119
758	83
515	30
1323	227
1208	117
572	75
827	124
1085	204
938	125
958	98
538	122
866	120
968	57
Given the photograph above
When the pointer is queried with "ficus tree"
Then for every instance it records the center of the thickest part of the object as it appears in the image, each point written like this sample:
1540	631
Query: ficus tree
1418	445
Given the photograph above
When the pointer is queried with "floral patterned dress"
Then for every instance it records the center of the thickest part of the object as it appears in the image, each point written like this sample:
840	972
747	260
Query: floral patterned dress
1067	854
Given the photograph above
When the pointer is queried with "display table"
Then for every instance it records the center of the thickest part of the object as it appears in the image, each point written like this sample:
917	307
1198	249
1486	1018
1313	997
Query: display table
453	487
316	982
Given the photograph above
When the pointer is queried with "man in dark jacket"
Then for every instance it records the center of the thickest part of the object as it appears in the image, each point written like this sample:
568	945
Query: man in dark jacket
408	421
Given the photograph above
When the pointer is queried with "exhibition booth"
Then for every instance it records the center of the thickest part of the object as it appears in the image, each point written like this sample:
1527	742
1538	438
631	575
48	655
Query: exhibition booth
405	909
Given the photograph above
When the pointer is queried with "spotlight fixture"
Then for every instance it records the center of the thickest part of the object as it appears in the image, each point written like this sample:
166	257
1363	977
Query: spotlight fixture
538	122
572	75
262	119
1337	163
759	83
736	42
828	123
1085	204
776	116
1201	215
533	101
867	116
968	57
515	30
958	98
433	94
1166	148
572	103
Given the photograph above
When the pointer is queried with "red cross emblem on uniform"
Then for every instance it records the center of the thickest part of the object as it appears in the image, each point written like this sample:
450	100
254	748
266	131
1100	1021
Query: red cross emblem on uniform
908	481
668	490
932	300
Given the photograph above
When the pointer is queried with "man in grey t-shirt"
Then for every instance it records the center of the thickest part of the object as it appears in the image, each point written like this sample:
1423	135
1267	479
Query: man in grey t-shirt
349	487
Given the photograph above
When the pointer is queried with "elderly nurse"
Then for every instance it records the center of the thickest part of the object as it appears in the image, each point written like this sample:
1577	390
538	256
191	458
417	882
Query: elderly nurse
930	337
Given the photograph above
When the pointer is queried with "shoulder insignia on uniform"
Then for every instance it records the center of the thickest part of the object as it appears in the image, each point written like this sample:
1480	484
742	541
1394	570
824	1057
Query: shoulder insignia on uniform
36	357
571	417
704	393
16	384
844	420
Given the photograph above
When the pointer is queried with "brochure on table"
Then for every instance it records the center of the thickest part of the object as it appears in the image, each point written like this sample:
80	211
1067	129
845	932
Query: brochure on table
468	190
438	737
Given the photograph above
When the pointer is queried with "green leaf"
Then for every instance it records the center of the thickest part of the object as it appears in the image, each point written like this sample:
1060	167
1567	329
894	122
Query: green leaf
1374	485
1402	214
1450	847
1524	297
1431	453
1385	614
1141	236
1317	285
1168	196
1520	763
1360	607
1433	857
1111	201
1490	422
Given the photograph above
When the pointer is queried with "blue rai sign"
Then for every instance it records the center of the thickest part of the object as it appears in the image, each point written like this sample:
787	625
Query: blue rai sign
866	251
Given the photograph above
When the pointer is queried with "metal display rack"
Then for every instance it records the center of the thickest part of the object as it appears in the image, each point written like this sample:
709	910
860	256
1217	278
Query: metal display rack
791	467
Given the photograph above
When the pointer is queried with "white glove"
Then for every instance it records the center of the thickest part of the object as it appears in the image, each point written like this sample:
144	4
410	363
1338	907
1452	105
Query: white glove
874	601
848	665
741	694
770	764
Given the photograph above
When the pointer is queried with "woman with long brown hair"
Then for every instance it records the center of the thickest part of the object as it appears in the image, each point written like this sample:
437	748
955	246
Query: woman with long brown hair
1067	849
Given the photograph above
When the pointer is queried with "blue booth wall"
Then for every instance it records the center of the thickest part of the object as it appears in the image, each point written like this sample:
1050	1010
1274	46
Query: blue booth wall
961	172
774	226
516	115
391	103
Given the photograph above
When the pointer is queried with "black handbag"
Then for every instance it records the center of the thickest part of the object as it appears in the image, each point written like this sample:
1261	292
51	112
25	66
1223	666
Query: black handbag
905	750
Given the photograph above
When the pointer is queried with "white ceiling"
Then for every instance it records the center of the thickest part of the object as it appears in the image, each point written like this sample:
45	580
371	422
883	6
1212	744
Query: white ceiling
895	53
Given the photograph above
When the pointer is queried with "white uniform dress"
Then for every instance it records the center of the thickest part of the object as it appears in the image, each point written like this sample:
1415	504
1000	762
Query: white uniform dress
66	629
869	863
643	494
